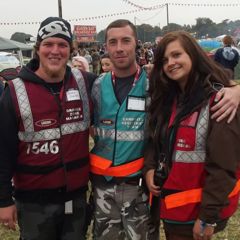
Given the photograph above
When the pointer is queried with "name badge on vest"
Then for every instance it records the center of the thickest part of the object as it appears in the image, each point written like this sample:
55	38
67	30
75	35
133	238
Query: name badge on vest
72	95
69	207
136	103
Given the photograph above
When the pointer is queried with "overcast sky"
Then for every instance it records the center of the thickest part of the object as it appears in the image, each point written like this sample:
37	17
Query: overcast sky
85	12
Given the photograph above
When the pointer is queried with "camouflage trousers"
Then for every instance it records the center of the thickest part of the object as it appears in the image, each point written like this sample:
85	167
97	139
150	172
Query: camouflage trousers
49	221
121	212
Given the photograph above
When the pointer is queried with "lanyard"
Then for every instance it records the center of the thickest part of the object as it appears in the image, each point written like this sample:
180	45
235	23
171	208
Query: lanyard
135	78
61	92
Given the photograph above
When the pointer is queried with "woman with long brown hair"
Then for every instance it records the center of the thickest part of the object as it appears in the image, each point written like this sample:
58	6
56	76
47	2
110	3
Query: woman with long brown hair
191	161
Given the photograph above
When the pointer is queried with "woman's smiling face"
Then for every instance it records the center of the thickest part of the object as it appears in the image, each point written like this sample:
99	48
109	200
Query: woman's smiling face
177	64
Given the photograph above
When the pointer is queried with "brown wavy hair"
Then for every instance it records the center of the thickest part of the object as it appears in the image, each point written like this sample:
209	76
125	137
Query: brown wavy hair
227	40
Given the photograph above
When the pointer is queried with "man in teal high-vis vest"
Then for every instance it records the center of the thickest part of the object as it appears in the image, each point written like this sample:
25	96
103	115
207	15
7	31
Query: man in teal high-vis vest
121	203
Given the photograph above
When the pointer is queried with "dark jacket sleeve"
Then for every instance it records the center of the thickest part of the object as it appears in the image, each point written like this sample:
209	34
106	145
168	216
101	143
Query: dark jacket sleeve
149	156
236	58
217	55
1	87
90	78
8	147
222	160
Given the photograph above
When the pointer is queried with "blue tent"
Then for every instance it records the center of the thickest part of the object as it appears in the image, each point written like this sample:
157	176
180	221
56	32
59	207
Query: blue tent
209	44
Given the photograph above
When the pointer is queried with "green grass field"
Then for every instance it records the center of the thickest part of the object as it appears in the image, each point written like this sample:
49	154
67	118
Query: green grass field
230	233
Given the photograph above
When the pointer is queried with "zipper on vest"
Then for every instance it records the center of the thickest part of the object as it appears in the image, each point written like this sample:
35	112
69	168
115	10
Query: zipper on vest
60	117
115	137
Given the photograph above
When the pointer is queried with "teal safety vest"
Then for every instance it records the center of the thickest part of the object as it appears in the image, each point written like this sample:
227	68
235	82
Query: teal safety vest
119	129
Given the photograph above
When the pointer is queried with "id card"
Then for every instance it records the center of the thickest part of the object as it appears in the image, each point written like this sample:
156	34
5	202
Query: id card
72	95
136	103
69	207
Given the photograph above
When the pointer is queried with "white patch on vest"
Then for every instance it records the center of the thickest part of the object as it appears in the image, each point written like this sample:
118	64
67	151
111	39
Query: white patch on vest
45	122
136	103
74	114
72	95
182	143
132	123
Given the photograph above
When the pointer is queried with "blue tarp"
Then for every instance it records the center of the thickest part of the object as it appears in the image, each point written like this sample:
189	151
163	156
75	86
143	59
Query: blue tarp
209	44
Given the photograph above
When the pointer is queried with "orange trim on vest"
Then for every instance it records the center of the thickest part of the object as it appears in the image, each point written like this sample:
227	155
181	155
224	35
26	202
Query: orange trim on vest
183	198
101	166
191	196
150	199
99	162
236	189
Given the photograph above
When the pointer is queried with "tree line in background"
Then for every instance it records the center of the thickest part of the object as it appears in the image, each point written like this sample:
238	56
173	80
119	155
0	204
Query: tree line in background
204	28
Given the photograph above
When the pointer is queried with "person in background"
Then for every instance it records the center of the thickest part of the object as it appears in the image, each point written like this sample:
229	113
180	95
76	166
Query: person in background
105	62
191	161
149	52
227	56
142	58
44	145
1	87
95	61
102	50
76	50
88	57
80	63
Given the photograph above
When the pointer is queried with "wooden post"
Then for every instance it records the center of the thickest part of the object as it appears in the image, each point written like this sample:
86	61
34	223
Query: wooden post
60	8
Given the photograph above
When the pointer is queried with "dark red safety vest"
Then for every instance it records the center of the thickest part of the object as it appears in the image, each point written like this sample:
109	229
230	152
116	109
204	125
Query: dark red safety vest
53	149
186	179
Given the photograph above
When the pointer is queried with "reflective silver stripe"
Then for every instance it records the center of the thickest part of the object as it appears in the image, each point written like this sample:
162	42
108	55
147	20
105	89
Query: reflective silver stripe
190	157
43	135
121	135
70	128
202	128
148	99
96	96
24	105
147	83
54	133
199	154
84	96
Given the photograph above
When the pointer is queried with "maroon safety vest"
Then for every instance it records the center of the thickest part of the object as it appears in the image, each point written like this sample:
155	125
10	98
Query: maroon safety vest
53	135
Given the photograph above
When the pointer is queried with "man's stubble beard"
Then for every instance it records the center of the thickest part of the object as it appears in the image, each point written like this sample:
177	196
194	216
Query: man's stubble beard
55	73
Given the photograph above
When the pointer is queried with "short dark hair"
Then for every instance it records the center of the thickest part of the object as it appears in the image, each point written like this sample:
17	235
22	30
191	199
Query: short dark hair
121	23
105	55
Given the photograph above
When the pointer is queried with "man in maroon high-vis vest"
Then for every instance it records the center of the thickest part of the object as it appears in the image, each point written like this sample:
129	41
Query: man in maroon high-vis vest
45	142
